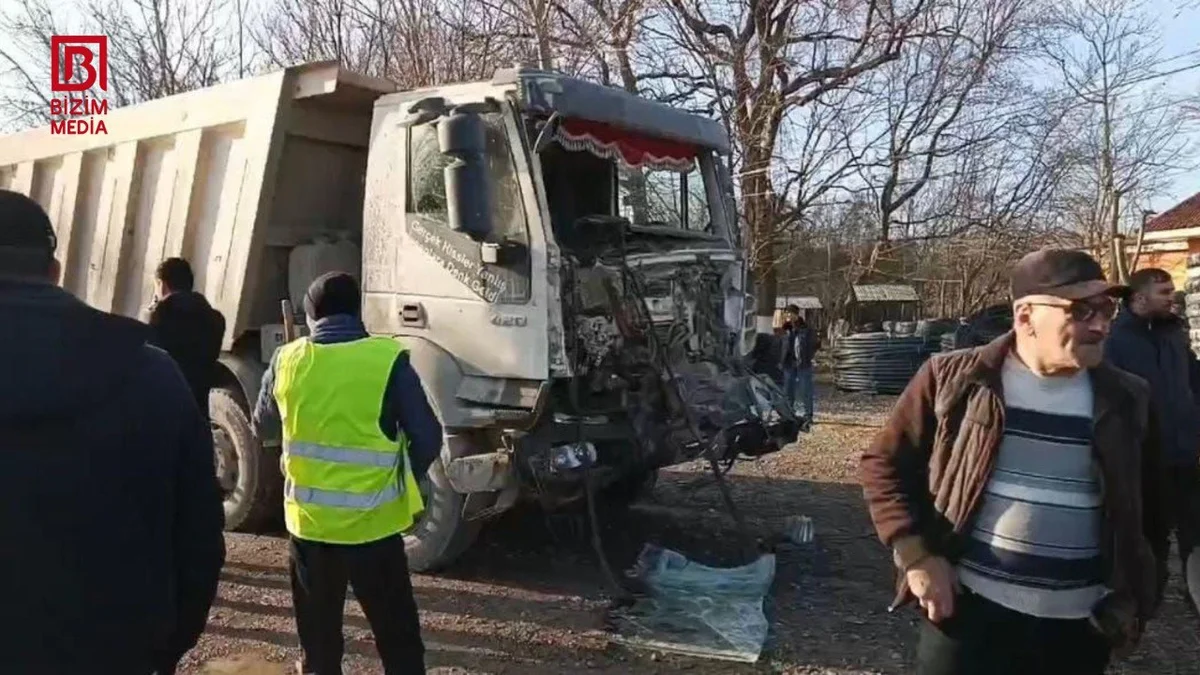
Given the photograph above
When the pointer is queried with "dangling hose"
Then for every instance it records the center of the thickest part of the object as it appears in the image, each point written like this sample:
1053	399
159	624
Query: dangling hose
693	428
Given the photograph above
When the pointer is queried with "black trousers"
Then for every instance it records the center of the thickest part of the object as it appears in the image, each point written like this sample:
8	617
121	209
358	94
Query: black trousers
378	572
983	638
1182	487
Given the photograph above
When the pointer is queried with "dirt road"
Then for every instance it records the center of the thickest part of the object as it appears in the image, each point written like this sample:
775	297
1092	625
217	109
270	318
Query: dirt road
528	598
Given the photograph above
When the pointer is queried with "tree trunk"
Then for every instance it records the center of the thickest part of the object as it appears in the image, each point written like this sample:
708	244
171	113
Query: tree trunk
766	290
759	213
1137	251
1120	262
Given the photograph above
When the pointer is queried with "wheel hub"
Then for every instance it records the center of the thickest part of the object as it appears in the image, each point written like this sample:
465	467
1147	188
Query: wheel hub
226	459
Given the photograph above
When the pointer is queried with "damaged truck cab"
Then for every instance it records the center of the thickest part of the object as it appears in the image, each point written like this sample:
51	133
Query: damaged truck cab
559	258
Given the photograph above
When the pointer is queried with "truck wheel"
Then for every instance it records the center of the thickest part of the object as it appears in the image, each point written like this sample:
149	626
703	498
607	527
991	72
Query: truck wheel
248	473
441	533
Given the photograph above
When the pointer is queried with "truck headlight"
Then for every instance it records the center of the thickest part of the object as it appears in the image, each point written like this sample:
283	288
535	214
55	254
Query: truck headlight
572	456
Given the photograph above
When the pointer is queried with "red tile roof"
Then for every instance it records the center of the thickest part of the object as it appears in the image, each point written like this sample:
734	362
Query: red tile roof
1183	215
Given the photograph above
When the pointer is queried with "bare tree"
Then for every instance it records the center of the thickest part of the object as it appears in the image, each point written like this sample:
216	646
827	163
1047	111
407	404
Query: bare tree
986	206
944	97
156	48
28	27
533	23
411	42
168	46
761	60
1106	55
604	40
1000	193
821	147
624	49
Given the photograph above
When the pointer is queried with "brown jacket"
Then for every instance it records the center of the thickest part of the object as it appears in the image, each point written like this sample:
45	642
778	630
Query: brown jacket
924	474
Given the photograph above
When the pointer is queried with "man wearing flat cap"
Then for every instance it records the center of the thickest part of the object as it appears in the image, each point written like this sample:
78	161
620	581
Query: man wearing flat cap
358	434
1017	487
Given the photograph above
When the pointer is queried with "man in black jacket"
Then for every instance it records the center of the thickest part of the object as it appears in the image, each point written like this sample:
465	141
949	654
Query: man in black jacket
1149	340
800	345
187	327
110	515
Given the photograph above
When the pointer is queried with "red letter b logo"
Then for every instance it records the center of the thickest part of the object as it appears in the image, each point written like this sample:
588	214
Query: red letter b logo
88	52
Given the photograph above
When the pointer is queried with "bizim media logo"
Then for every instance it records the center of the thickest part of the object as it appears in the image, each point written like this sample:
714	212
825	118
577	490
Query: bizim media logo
78	70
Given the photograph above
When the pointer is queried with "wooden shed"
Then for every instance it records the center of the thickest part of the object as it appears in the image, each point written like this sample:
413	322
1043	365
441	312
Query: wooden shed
876	303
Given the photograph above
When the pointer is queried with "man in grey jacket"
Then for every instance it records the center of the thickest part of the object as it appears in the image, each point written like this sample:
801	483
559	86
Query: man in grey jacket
1149	340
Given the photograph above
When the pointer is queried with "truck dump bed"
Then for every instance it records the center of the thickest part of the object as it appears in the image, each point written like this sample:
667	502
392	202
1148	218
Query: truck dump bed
231	177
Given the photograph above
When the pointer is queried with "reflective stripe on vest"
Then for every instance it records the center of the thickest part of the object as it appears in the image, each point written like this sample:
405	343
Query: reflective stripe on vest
340	455
346	481
343	500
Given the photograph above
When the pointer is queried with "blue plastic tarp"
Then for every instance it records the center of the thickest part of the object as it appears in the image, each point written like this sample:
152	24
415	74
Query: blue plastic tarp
695	609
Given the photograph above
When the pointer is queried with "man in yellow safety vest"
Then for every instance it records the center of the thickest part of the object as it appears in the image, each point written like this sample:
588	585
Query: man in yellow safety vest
357	433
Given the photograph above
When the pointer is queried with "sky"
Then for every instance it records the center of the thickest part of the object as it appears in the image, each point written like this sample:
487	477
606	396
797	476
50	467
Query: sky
1180	36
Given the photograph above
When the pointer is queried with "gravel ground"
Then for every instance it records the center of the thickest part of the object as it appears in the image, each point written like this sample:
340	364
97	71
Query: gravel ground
529	598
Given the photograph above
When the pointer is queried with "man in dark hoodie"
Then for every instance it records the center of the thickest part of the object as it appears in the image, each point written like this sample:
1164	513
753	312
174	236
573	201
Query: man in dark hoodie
1149	340
800	345
110	513
187	327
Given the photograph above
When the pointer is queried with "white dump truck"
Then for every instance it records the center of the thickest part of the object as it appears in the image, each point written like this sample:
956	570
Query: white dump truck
556	255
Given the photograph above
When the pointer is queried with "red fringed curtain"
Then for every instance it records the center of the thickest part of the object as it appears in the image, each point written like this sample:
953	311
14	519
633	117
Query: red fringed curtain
625	147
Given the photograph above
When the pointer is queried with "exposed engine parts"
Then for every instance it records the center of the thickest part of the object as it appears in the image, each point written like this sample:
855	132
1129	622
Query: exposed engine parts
655	378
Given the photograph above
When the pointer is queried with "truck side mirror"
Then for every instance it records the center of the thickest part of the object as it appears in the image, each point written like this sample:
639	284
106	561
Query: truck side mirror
462	135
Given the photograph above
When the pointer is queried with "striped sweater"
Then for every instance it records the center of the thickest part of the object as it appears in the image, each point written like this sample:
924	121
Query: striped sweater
1034	543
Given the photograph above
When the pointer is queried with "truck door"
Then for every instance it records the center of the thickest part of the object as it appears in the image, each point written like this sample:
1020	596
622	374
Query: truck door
489	316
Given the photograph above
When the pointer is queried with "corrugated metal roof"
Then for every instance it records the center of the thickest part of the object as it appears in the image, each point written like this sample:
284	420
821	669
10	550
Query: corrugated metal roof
885	293
801	301
1184	215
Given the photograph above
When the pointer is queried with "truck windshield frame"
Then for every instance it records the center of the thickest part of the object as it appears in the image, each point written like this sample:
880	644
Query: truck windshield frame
570	179
668	198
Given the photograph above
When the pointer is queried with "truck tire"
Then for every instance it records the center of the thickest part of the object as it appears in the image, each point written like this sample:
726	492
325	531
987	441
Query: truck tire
442	532
249	473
